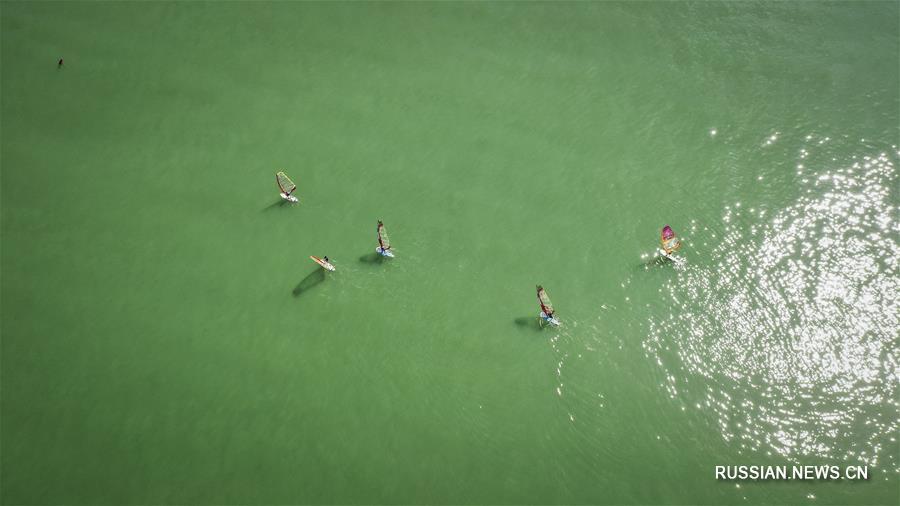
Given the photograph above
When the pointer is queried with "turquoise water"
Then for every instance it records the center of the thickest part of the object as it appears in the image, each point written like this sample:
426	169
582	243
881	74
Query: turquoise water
165	338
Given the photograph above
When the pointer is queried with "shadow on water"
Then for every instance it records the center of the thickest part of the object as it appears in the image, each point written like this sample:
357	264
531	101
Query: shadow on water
372	258
529	322
309	282
276	205
657	261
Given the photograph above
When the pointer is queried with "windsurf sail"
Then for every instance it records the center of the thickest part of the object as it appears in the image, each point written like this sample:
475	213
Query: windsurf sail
669	241
287	186
322	262
544	300
383	237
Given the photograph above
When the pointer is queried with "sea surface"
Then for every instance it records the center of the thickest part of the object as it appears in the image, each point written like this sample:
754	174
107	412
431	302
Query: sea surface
167	340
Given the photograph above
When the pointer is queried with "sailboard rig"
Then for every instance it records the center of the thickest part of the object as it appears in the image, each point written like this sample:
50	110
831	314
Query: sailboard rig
323	263
286	186
669	241
548	314
384	244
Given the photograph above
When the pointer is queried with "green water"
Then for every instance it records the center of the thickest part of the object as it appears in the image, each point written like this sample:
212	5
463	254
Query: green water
166	339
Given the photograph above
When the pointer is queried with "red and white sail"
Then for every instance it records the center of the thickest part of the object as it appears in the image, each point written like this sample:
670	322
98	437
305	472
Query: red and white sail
544	300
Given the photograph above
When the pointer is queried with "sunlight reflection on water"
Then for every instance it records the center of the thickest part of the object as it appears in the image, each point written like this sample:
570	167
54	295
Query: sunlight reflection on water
793	332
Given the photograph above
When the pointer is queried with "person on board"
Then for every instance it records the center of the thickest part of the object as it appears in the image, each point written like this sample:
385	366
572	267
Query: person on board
326	260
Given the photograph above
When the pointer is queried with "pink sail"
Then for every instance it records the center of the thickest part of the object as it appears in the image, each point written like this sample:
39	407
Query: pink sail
669	242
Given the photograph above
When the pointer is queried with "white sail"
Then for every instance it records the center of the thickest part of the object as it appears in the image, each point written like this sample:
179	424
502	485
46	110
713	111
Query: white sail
284	183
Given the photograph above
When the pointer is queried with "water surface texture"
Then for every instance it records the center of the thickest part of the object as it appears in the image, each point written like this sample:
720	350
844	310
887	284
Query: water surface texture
167	340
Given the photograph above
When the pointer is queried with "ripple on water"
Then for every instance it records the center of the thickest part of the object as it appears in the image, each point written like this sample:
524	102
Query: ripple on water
793	334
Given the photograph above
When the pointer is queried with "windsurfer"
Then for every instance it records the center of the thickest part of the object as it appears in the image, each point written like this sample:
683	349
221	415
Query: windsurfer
669	241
